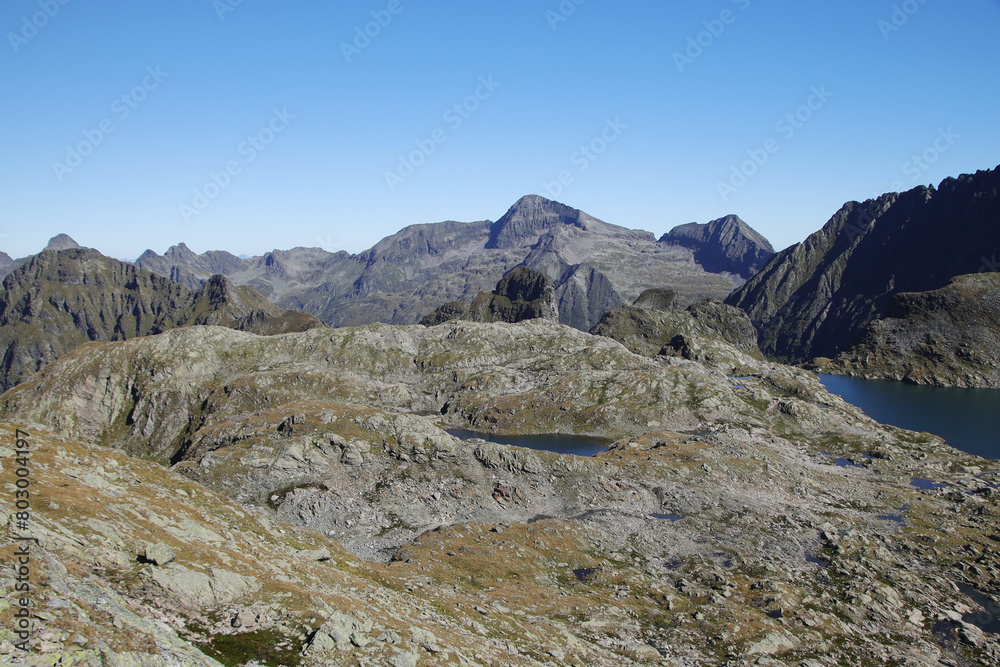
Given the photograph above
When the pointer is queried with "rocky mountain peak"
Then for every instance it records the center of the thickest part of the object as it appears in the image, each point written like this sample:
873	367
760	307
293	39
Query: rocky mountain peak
529	217
523	284
725	245
61	242
179	252
522	294
218	289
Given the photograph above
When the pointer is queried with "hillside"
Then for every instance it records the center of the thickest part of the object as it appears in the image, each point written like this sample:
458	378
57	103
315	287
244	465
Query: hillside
318	512
58	300
948	337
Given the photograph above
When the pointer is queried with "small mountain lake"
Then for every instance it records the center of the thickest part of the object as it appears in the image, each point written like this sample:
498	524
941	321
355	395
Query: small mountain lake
968	419
578	445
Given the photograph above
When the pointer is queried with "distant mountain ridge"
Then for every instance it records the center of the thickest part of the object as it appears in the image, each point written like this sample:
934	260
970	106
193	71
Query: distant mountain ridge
815	298
594	266
60	299
726	245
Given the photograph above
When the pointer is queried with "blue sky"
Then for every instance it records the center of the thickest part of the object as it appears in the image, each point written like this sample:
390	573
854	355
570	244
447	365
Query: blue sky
249	126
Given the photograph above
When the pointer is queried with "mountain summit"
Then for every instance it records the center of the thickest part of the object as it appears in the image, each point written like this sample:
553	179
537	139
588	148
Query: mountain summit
726	245
531	216
62	242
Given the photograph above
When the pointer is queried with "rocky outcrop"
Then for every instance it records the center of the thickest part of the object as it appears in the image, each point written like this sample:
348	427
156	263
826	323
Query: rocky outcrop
703	331
948	337
219	302
5	265
657	299
522	294
815	298
594	267
58	300
726	245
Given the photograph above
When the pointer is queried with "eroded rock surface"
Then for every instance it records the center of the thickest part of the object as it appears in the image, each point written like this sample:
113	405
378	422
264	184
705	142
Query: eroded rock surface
318	507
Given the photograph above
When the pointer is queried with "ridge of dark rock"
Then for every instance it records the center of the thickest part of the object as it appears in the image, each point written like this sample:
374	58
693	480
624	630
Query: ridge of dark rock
815	298
948	337
522	294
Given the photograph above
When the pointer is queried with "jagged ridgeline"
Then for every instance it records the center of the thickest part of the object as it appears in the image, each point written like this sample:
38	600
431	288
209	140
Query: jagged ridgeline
60	299
593	266
816	298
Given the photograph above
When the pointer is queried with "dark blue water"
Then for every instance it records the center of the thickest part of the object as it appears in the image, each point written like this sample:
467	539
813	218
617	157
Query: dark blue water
926	484
968	419
578	445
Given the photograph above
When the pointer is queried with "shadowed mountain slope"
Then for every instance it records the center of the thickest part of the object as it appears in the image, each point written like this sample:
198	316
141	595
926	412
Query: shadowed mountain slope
815	298
61	299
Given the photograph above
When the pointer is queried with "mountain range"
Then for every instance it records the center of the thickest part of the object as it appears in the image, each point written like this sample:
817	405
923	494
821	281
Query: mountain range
594	266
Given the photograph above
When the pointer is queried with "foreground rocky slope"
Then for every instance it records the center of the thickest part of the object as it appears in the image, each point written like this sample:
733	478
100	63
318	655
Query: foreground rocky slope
594	267
948	337
815	298
743	515
60	299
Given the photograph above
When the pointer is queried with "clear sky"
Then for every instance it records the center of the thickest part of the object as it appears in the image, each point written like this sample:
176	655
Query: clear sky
248	125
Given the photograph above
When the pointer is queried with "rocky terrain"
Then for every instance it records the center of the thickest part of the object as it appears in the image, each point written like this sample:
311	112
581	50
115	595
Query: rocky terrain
60	299
522	294
726	245
656	324
815	298
5	264
948	337
594	266
316	511
56	243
